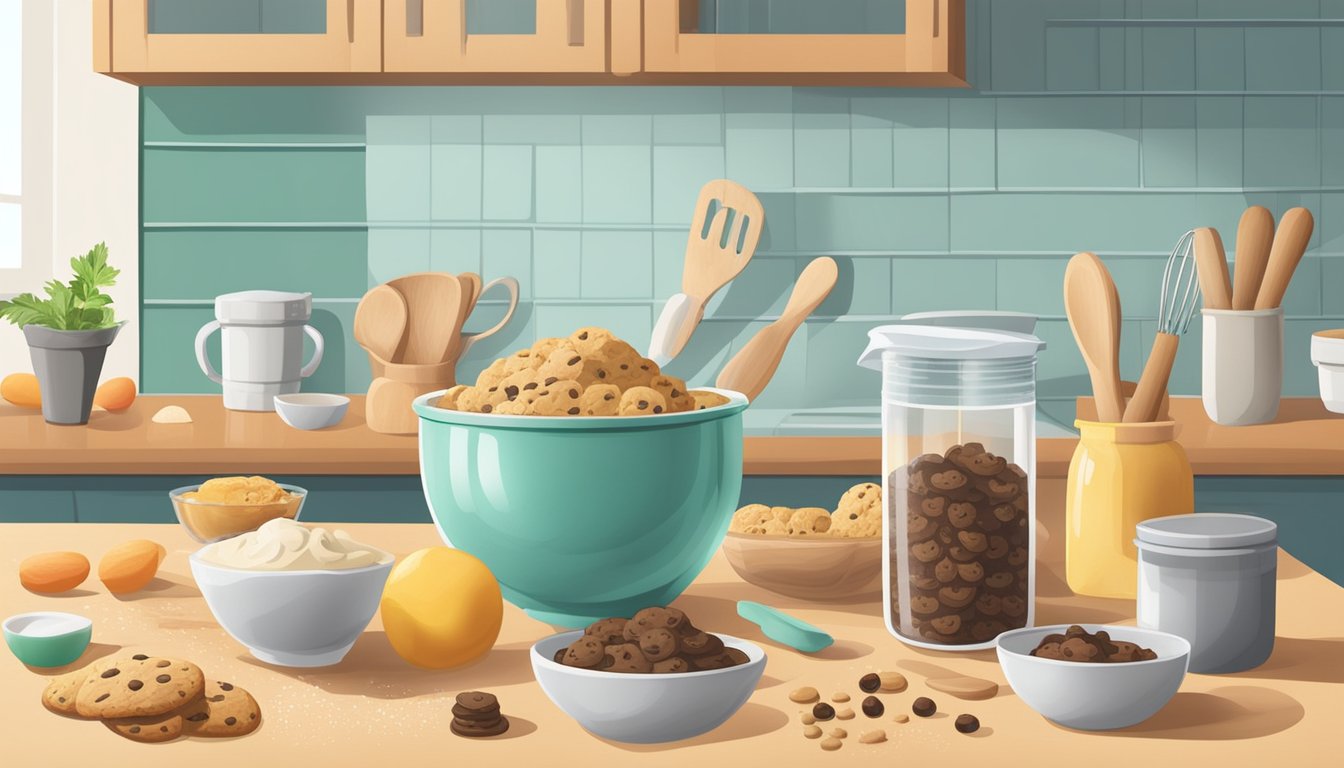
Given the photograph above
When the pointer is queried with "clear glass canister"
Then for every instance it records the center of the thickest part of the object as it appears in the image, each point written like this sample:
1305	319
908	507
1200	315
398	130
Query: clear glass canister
959	458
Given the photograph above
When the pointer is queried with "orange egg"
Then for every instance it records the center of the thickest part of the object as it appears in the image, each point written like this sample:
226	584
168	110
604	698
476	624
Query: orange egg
22	390
115	394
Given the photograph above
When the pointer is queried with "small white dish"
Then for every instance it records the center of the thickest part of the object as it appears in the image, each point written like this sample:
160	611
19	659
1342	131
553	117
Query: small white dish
311	410
1327	354
646	709
1094	697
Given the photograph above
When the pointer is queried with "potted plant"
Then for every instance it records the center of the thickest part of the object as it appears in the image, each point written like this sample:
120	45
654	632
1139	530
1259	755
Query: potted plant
68	334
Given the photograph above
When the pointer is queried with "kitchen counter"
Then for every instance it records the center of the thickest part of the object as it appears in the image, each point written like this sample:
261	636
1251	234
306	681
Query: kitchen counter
1304	440
374	707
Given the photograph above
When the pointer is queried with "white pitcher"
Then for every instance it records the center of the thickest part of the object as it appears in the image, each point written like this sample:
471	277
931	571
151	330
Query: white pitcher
262	346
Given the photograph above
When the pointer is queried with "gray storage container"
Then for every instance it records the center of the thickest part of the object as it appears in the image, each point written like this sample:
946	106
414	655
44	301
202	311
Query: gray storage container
1210	578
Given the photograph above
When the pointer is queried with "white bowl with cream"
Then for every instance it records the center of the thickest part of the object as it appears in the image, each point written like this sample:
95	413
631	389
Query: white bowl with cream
295	596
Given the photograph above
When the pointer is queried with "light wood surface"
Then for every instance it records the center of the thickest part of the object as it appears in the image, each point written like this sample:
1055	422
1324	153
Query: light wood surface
750	370
380	322
1290	242
1255	235
374	709
1211	264
1093	307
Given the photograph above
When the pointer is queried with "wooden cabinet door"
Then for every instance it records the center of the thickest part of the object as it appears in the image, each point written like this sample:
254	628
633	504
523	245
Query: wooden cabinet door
432	36
930	52
221	38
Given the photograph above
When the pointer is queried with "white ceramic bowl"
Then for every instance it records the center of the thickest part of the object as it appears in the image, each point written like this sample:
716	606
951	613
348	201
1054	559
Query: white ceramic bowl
1094	697
646	709
292	618
1327	354
311	410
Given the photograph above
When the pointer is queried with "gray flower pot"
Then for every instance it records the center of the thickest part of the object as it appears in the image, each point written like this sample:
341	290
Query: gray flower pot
67	364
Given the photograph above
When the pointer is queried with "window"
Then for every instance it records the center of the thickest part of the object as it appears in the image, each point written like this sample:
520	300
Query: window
11	133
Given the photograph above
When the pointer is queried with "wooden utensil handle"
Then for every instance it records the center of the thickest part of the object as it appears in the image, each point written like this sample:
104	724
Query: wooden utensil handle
1147	400
1211	266
755	363
1255	235
1290	242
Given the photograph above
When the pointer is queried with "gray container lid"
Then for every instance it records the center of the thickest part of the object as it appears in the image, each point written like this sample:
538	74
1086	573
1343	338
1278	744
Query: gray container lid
1207	530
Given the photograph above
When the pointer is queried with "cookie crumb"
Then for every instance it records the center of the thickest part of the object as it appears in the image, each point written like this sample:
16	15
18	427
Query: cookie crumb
808	719
839	733
840	697
845	713
901	718
812	732
873	737
830	745
805	695
891	682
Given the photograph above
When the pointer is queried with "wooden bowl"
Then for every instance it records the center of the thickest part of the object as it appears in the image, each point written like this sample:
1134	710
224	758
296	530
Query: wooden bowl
811	568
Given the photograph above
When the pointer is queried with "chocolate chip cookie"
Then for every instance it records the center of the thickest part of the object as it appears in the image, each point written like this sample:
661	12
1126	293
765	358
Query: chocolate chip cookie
59	695
222	711
137	686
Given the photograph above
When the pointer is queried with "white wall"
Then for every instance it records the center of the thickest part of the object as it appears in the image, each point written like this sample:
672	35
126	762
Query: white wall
85	178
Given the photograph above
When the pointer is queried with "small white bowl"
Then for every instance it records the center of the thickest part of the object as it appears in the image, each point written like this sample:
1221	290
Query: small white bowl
1327	354
646	709
292	618
311	410
1094	697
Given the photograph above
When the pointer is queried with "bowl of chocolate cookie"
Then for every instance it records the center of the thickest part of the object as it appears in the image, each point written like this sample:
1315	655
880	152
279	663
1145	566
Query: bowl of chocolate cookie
591	483
1093	678
651	679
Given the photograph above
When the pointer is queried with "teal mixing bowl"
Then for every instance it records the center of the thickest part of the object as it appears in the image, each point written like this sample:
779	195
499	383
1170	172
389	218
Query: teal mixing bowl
581	518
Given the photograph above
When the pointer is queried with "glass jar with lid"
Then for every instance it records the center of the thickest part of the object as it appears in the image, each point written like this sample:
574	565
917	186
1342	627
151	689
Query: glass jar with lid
959	462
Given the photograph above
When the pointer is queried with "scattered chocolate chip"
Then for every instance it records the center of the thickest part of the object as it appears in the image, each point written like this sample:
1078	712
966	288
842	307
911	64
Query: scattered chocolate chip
140	657
163	678
869	683
924	707
872	707
823	711
113	672
967	724
135	685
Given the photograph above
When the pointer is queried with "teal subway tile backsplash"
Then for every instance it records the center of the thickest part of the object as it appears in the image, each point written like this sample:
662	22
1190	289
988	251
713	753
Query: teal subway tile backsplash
1114	136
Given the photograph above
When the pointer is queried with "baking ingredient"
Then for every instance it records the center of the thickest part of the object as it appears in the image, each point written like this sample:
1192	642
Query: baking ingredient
171	414
52	625
873	707
1077	644
805	695
832	744
823	712
967	724
839	733
21	389
873	737
128	567
973	688
75	306
285	545
812	732
441	608
839	697
844	713
924	707
807	718
115	394
892	682
901	717
238	490
869	683
656	640
51	573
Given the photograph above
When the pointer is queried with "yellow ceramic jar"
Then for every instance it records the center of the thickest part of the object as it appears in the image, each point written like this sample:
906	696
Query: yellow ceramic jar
1120	475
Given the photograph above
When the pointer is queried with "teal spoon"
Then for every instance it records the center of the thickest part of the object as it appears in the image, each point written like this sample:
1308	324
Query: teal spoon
783	628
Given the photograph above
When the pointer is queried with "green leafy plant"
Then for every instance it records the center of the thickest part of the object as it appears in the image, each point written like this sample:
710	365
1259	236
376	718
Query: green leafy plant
79	305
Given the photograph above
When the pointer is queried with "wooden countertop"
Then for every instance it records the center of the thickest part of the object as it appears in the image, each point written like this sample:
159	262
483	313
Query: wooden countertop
1304	440
373	708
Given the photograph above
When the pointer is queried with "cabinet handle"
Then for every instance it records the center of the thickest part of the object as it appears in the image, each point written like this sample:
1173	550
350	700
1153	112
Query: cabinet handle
574	22
415	18
350	21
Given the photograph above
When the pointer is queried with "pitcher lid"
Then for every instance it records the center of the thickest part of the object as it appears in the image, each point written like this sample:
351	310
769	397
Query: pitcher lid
947	343
262	306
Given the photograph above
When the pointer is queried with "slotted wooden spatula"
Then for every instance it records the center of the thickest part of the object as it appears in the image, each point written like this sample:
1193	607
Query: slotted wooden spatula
753	365
713	260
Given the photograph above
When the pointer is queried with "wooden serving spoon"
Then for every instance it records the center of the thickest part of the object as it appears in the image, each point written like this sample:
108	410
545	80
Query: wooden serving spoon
432	304
1255	233
1211	264
471	289
753	365
380	322
1290	242
1093	307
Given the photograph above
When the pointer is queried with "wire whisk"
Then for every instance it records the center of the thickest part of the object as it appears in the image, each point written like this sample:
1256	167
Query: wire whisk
1180	288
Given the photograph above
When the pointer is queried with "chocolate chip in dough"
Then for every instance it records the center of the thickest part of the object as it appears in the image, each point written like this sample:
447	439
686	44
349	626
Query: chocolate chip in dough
823	712
967	724
163	678
140	657
924	707
135	685
113	672
869	683
872	707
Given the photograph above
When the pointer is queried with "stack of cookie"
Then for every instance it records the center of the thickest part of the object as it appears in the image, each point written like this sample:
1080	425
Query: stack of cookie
858	515
476	714
152	699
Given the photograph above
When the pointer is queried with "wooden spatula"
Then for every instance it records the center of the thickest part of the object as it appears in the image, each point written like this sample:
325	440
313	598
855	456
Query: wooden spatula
1255	233
713	261
380	322
1290	242
1093	307
432	304
753	365
1211	264
471	289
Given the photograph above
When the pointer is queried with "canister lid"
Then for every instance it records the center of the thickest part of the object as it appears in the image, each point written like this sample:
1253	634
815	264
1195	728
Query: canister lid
947	343
263	307
1207	530
985	319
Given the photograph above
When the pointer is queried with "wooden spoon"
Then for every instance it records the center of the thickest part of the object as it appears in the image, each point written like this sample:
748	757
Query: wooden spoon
471	289
1093	307
433	302
1211	264
753	365
1290	242
1254	235
380	322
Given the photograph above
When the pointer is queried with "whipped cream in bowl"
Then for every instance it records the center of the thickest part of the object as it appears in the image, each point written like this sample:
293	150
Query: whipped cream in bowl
286	545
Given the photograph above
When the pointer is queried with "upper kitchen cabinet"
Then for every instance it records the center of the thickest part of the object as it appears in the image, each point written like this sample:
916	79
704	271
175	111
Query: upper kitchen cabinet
205	41
505	37
917	43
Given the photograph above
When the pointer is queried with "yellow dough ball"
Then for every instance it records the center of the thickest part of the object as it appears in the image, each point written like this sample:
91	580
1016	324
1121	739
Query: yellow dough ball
441	608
